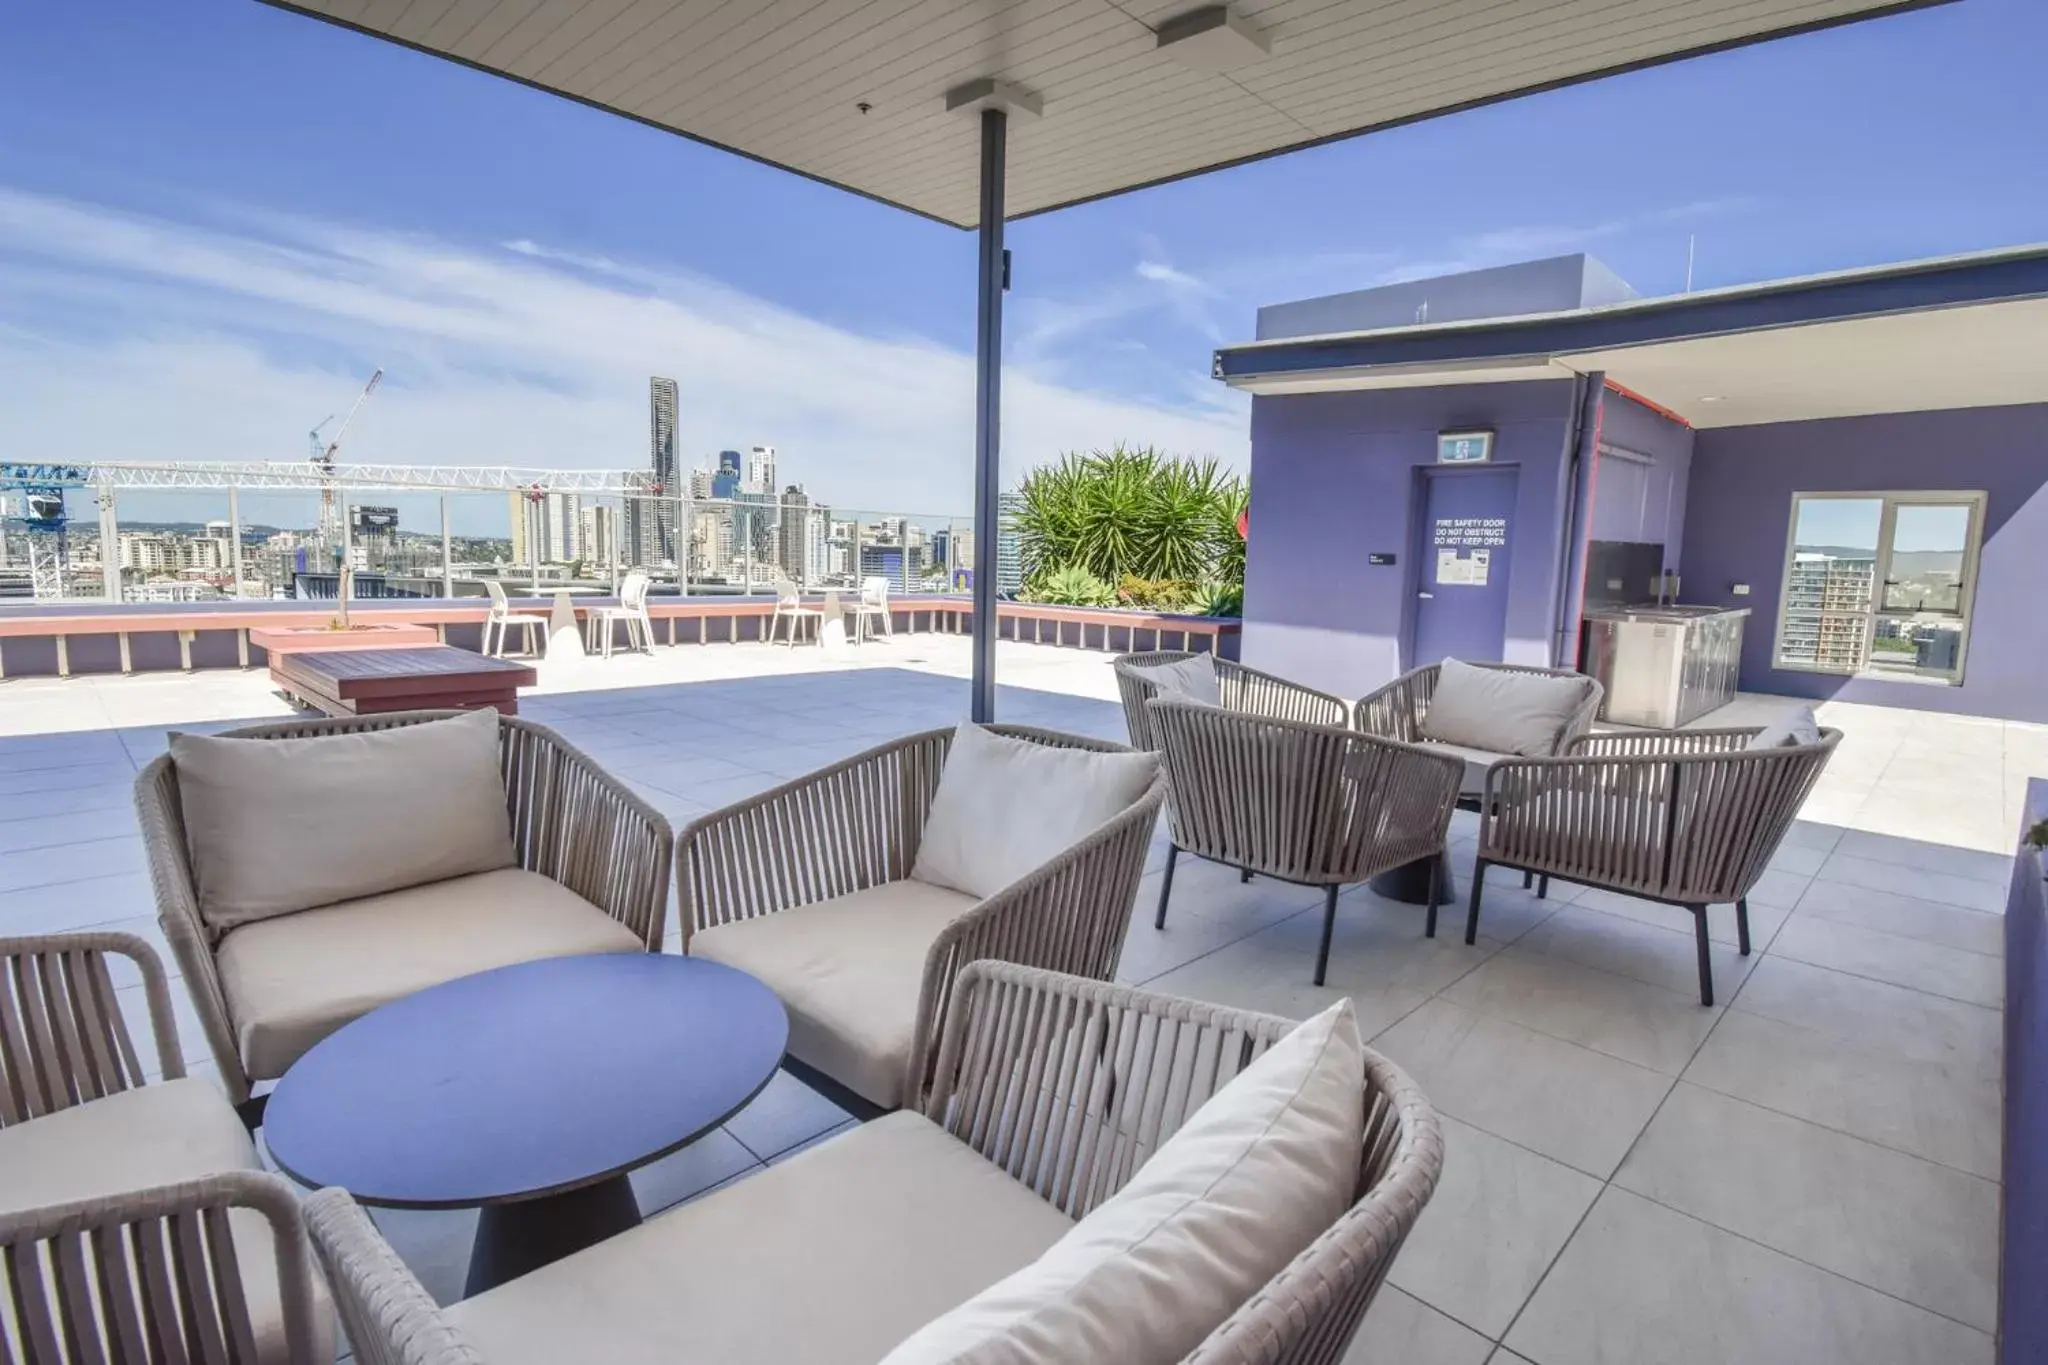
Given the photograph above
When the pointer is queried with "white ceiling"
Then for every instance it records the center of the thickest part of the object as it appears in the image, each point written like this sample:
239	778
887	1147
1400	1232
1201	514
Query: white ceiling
1983	355
780	80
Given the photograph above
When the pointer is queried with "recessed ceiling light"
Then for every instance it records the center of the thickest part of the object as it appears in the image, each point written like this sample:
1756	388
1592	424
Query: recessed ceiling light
1713	398
1213	38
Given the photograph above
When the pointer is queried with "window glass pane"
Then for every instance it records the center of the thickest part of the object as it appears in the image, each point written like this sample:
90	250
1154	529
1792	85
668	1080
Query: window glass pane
1928	544
1829	586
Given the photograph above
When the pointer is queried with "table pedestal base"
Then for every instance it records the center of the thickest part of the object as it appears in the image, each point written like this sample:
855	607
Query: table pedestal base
1409	883
512	1239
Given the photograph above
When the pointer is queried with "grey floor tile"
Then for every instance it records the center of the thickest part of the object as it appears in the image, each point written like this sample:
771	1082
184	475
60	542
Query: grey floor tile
1664	955
1973	864
1641	1284
1797	859
1813	834
1920	1232
1569	1103
1250	975
784	1115
434	1244
1930	967
39	867
1877	1016
74	827
1943	1113
1401	1328
1970	893
1905	917
710	1160
117	794
1638	1023
97	777
1778	888
1497	1220
822	1138
1764	920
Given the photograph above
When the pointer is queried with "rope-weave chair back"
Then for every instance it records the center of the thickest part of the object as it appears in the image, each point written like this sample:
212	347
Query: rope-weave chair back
154	1278
1137	691
1071	1085
1396	711
1269	795
63	1040
1731	813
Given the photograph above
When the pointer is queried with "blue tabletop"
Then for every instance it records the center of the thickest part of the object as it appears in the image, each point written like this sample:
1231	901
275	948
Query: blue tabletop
526	1080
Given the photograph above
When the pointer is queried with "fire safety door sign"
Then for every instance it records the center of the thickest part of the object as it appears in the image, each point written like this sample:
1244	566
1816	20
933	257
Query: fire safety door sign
1464	549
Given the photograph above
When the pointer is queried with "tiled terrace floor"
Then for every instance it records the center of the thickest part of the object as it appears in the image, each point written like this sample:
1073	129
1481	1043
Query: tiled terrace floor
1804	1173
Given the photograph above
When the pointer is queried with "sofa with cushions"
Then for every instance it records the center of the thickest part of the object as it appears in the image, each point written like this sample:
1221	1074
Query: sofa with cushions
1097	1174
859	892
1210	681
307	872
1482	713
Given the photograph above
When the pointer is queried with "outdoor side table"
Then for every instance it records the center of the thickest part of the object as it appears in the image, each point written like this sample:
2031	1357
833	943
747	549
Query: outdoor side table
528	1092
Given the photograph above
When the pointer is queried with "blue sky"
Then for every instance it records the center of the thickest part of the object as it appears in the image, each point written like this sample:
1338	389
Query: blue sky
216	217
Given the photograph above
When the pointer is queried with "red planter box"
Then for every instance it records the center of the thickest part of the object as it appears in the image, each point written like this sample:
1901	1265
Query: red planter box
319	639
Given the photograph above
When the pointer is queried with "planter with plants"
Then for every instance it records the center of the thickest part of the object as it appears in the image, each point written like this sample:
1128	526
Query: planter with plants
1133	528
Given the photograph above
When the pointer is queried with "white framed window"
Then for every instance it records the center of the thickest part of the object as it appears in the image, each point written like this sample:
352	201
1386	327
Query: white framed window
1879	585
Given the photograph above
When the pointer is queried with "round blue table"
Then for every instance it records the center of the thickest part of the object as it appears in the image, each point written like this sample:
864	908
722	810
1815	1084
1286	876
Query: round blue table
528	1092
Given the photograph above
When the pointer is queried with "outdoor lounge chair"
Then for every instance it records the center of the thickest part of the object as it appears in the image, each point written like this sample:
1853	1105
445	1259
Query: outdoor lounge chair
790	608
631	612
1687	817
1238	689
586	870
136	1221
823	889
1401	710
502	621
1051	1096
1319	805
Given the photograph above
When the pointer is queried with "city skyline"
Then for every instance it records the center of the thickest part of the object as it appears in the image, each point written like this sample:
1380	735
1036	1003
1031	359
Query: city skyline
172	231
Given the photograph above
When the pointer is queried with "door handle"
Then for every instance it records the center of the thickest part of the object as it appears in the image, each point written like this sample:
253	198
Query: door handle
1430	596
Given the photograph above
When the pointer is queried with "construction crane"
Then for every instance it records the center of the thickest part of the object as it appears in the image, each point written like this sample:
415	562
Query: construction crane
331	511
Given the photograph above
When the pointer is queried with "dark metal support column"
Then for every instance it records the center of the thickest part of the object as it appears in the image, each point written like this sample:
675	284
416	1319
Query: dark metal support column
988	389
1579	519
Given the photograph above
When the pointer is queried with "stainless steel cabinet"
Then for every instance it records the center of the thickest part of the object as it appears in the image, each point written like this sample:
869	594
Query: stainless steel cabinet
1664	666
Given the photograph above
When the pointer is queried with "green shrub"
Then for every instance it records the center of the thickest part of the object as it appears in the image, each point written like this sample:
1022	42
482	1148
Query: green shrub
1218	599
1132	513
1071	586
1158	594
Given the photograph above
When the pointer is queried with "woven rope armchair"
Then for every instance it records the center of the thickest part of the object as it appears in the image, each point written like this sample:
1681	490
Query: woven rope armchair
857	825
1687	817
571	821
211	1268
1067	1086
1245	690
1396	711
1315	804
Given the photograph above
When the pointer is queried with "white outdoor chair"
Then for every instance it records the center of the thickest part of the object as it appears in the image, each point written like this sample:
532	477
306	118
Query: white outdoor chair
631	612
873	605
789	606
503	618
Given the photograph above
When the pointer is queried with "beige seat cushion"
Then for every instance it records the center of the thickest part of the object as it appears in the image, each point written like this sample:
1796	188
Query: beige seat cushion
1261	1170
832	1256
292	980
280	825
1191	679
1005	807
158	1134
848	972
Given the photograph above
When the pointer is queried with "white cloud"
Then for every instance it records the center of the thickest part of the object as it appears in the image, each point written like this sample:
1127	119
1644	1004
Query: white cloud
137	337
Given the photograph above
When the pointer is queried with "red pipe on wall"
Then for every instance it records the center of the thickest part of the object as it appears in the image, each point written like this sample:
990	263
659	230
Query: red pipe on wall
1657	408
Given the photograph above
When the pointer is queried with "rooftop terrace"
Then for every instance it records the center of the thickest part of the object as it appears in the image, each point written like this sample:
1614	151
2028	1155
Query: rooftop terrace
1806	1172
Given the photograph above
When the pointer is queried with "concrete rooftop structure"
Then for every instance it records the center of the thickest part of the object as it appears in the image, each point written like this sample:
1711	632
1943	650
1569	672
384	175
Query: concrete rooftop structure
1807	1172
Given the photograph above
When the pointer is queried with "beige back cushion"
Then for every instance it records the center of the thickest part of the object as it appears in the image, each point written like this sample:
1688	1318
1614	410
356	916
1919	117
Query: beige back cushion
1794	725
1500	711
280	825
1005	807
1257	1173
1190	679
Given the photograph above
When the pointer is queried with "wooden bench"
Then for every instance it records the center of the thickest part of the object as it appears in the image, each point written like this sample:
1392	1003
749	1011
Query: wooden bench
362	682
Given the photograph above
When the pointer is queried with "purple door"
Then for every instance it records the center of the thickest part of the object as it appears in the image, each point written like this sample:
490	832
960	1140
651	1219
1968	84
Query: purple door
1467	534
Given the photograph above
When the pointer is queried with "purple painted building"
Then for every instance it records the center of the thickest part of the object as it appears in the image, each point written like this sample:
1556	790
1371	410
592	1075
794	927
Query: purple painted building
1858	459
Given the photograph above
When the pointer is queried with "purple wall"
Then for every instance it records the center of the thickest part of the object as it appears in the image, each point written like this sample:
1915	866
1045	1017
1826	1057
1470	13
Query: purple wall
1334	480
1740	504
1652	506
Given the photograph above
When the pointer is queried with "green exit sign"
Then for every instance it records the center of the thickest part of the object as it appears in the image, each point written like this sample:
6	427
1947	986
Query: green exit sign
1464	447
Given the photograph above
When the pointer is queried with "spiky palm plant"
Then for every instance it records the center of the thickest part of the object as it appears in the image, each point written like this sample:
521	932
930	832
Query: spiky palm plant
1128	512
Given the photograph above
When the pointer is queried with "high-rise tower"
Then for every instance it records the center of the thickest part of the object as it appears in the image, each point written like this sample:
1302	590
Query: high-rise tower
651	522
